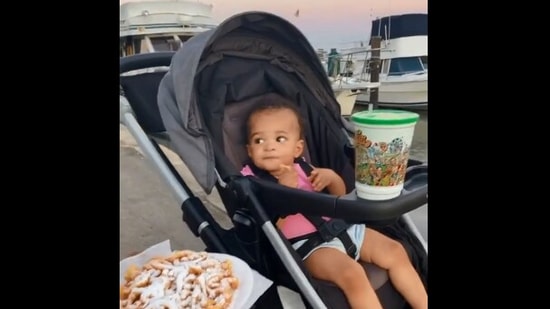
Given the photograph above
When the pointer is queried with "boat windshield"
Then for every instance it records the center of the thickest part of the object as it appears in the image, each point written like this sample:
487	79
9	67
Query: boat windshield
406	65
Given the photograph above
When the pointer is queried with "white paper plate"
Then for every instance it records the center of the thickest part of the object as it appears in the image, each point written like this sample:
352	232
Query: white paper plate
243	272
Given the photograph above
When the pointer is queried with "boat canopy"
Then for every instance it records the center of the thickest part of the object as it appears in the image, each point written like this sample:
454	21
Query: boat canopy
398	26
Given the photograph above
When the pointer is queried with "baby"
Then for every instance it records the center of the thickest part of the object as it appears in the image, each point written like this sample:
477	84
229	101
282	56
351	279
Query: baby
274	143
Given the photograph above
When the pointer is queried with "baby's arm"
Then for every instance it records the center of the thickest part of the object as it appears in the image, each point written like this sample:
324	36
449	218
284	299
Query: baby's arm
322	178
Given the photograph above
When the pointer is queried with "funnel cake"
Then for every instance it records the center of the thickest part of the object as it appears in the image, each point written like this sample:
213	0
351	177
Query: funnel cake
184	280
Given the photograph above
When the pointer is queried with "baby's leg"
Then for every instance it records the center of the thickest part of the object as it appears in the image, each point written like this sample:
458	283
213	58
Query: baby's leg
335	266
389	254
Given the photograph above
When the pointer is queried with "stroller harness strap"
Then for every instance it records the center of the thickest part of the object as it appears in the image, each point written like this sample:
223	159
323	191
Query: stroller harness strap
327	230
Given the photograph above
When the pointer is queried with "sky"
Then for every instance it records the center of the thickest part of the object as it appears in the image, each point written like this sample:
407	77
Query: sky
326	23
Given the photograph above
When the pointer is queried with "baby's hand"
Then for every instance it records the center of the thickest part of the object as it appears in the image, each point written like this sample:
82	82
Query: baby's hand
320	178
288	176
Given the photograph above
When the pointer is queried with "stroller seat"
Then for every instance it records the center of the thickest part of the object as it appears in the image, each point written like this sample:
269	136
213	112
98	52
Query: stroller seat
215	78
234	125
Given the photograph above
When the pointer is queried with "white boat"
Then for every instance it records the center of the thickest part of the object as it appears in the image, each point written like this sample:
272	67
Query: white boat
403	74
345	85
150	26
348	89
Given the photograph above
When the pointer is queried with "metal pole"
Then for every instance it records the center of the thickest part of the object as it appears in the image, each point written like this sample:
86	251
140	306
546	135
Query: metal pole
374	66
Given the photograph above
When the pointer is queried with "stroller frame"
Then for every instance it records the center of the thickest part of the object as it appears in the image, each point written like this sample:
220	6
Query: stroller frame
201	222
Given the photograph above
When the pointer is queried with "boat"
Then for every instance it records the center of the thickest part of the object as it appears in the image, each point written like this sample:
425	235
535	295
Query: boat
151	26
348	89
345	85
403	74
160	26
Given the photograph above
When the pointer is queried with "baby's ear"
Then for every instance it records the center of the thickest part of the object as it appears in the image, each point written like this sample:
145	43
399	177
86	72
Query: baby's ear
299	148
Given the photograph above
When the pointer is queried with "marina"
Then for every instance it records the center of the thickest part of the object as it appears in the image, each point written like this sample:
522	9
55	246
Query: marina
174	187
394	62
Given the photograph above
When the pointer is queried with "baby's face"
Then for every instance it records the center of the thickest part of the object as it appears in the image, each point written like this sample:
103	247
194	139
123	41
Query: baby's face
274	139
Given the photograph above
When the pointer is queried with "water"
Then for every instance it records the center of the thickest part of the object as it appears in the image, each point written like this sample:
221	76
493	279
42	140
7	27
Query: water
419	147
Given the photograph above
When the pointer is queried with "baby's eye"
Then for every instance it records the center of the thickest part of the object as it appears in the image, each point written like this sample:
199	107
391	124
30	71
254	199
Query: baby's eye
281	139
258	140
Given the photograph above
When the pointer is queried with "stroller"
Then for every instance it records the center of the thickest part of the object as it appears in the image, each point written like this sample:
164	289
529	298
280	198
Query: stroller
198	107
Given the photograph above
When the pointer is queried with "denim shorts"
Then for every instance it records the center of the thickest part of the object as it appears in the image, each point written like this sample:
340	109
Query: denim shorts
356	232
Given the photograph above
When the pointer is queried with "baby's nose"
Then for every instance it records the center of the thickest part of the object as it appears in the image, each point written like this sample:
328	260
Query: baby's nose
269	145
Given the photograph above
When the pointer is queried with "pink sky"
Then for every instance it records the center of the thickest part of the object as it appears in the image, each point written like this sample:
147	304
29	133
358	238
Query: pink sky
325	23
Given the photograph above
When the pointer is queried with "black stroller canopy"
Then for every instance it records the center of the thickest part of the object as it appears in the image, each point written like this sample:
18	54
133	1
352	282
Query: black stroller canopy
229	64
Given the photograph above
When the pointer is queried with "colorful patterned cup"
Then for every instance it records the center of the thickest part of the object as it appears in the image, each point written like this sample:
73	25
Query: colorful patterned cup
382	143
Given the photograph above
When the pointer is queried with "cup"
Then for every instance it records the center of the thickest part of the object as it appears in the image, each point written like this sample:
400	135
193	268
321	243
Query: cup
382	144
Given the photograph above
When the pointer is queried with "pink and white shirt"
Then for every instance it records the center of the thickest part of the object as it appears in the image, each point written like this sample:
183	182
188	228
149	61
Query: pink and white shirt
293	225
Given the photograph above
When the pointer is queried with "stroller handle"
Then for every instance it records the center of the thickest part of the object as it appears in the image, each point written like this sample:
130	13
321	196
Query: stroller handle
281	201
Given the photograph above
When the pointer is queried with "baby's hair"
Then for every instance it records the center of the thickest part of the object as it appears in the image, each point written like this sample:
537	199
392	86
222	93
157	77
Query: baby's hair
275	103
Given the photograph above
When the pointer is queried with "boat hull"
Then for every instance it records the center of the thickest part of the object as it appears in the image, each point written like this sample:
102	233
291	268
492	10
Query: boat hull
347	99
400	93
